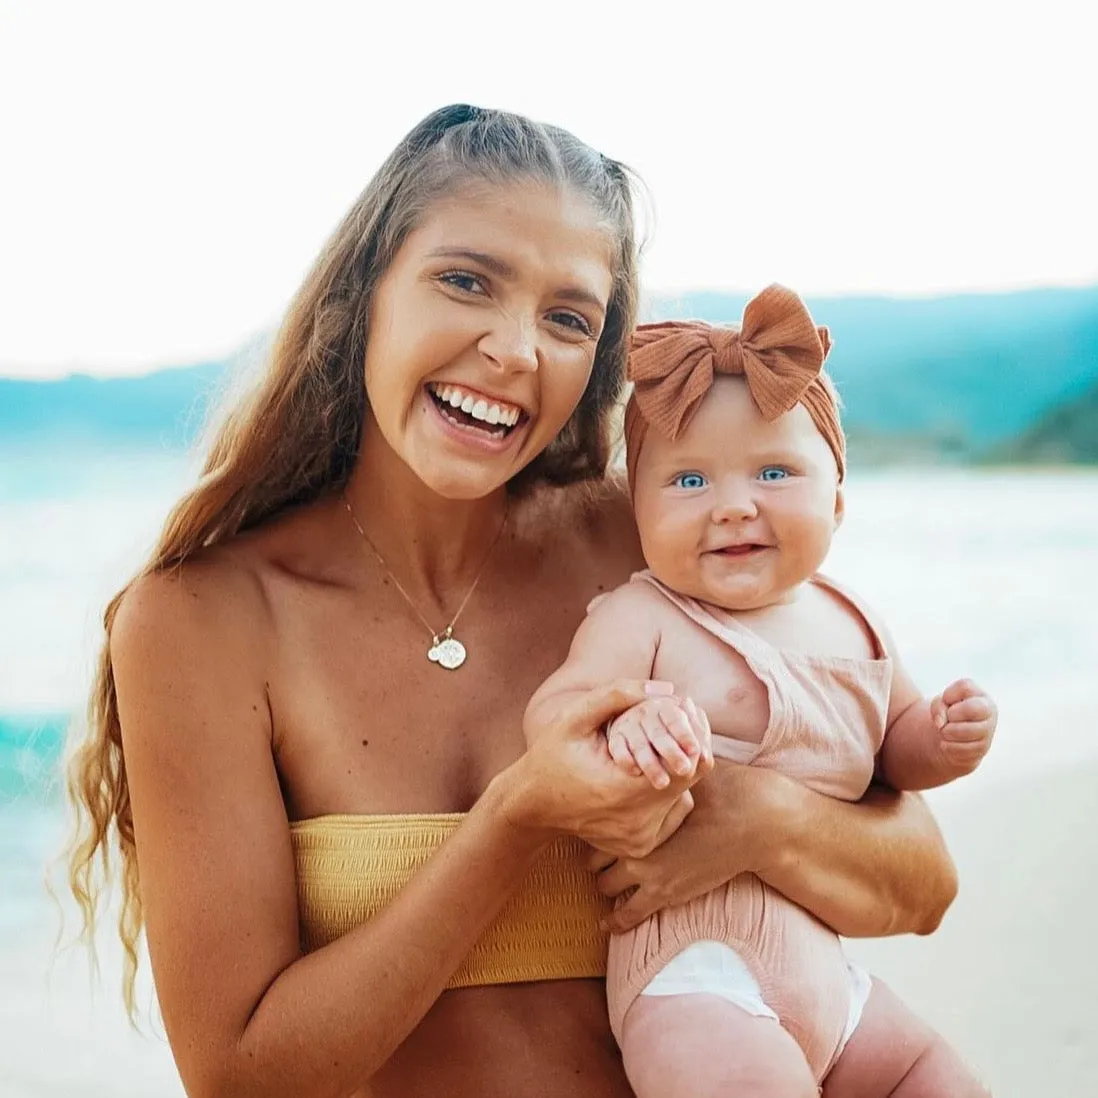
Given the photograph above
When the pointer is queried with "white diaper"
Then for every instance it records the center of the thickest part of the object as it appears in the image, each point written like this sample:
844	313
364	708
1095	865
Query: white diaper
713	968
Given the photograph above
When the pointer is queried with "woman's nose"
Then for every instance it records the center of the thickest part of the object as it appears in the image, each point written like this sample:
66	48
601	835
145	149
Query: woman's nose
512	344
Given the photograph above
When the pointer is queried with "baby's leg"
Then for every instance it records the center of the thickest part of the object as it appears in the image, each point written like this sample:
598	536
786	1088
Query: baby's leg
703	1046
894	1054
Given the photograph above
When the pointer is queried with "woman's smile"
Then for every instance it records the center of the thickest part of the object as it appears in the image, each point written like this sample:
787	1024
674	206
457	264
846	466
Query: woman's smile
470	418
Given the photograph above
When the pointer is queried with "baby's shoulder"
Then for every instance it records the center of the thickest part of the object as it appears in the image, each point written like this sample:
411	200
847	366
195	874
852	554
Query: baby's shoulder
635	601
840	600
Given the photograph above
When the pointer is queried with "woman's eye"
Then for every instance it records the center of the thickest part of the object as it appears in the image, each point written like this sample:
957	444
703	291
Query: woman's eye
572	320
689	481
774	472
464	281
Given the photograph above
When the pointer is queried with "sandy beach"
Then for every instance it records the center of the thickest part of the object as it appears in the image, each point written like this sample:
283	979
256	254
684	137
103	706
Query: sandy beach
1010	976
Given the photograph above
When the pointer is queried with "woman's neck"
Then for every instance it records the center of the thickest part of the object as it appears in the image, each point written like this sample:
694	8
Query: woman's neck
434	547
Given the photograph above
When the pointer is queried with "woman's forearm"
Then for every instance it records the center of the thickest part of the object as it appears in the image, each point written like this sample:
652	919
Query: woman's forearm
333	1018
869	869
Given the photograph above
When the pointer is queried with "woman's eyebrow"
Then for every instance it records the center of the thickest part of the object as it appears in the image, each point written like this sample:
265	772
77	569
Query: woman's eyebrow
491	262
503	269
579	296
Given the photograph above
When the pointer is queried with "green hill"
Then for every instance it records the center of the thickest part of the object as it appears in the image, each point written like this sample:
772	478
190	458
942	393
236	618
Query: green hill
1067	434
965	371
165	408
947	378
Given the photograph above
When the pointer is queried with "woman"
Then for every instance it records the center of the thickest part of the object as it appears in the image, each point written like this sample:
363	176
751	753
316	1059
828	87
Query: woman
328	658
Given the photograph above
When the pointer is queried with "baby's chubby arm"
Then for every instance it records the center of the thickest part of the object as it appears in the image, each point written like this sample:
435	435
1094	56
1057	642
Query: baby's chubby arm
931	742
618	639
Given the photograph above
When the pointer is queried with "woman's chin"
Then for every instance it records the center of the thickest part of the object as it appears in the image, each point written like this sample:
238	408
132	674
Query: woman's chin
458	482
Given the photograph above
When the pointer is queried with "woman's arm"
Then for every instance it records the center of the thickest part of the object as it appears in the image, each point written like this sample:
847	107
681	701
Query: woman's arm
247	1014
870	869
873	868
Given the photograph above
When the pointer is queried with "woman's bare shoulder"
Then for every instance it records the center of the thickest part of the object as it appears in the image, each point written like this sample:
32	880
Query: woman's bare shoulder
229	584
599	513
217	600
218	587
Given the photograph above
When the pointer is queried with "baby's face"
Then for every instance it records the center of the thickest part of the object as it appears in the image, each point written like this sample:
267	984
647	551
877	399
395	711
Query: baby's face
737	511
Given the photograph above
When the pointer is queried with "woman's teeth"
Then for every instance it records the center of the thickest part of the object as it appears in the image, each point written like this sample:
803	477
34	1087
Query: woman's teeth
505	415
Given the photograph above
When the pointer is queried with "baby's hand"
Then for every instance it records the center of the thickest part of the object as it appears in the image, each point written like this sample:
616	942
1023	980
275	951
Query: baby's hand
660	737
965	718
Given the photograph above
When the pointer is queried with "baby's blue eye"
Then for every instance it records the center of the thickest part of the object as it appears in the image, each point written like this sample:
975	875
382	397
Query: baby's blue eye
773	472
689	481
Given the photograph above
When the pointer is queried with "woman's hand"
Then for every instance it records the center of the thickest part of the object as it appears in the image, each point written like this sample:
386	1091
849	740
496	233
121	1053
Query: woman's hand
571	785
726	836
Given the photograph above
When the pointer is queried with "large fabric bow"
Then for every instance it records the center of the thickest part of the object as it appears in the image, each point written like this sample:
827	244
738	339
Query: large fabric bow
778	350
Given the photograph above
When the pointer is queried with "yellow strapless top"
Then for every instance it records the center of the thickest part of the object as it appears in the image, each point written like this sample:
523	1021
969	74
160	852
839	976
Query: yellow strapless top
350	867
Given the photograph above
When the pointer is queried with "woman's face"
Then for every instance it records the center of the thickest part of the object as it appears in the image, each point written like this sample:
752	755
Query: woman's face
483	332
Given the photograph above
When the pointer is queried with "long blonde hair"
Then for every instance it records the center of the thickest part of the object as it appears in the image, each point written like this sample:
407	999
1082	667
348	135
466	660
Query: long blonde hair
296	435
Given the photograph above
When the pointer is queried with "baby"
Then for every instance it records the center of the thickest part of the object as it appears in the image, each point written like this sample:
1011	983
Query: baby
736	460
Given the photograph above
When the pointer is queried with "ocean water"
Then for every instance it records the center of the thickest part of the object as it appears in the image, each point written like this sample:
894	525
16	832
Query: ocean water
988	574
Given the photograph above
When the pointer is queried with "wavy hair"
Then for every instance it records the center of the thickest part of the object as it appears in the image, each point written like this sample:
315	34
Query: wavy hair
296	435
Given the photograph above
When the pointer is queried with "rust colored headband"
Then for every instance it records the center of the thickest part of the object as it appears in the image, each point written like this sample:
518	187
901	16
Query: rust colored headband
777	349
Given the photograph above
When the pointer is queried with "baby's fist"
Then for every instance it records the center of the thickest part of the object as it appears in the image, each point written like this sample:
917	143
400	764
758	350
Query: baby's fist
661	738
965	717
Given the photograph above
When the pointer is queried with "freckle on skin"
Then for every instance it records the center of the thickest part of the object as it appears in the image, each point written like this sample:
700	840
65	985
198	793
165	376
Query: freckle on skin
365	743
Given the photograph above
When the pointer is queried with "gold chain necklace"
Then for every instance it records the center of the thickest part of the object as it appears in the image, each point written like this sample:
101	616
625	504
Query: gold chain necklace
446	650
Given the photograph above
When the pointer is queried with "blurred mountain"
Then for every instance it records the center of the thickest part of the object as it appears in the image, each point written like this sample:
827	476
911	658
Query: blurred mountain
958	373
1068	433
948	378
164	409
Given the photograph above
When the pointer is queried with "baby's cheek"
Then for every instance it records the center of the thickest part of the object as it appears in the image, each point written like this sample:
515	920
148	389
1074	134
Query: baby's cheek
671	565
806	528
661	537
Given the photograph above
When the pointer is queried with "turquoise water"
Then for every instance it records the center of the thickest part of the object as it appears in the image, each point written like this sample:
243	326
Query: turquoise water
30	752
31	817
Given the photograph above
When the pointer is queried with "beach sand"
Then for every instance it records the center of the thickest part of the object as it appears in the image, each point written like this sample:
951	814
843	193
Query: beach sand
1011	977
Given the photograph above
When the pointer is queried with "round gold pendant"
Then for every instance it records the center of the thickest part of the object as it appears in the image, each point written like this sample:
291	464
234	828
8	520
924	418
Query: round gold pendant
447	652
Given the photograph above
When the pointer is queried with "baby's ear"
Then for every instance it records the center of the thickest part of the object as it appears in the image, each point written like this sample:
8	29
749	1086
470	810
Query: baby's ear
840	506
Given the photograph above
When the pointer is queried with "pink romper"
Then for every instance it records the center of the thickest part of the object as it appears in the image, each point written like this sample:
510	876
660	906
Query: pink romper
827	722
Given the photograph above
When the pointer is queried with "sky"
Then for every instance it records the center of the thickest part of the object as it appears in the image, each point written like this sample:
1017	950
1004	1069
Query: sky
170	170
